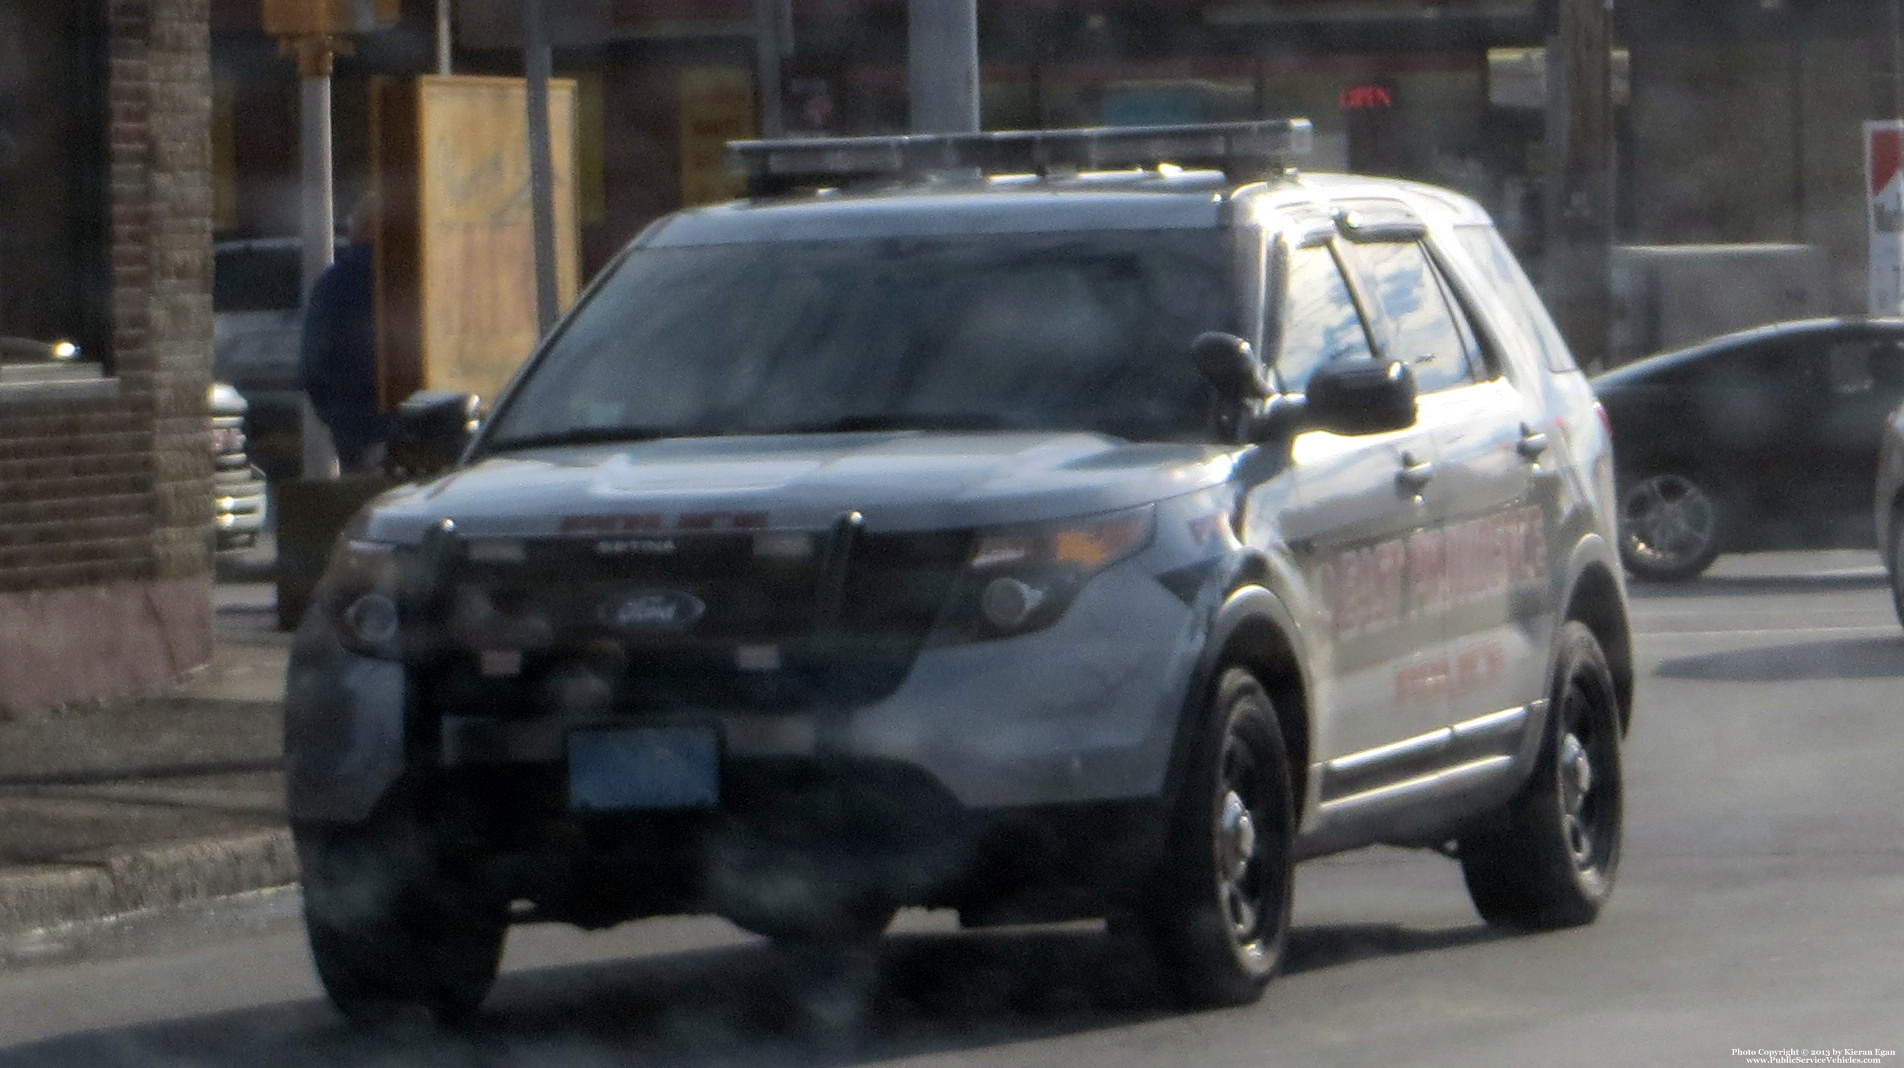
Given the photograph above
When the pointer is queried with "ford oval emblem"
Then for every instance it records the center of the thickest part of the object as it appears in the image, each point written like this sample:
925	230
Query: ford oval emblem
663	610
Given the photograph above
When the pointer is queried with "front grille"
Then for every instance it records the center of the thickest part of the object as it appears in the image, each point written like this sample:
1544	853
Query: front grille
771	633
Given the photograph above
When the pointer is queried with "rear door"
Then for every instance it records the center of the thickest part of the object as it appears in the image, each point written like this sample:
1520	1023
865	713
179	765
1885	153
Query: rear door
1483	571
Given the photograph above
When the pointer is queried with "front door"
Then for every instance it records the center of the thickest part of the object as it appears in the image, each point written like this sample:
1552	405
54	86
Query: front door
1360	502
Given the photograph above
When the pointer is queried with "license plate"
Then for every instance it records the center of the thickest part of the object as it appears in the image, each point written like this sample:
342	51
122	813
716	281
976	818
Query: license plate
643	768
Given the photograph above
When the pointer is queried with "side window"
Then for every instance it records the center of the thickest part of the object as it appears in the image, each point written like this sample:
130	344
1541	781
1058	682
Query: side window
1319	320
1421	330
1504	275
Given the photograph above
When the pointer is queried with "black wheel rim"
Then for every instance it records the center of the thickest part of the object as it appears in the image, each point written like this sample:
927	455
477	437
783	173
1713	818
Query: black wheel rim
1247	850
1587	770
1667	520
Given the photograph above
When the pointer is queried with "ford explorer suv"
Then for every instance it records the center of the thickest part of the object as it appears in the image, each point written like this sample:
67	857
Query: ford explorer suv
1040	526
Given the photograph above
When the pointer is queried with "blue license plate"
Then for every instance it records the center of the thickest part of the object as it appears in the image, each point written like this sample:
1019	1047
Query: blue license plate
644	768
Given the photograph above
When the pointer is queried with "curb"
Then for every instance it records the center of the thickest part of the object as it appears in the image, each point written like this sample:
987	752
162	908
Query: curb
150	877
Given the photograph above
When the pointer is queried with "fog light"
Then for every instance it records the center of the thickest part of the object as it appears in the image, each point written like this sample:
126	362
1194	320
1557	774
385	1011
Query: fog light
1007	603
372	618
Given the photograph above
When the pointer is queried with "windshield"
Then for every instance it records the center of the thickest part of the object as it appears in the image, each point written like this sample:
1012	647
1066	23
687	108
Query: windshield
1040	331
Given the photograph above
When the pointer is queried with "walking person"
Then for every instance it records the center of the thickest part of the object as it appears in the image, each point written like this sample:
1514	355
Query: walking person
337	355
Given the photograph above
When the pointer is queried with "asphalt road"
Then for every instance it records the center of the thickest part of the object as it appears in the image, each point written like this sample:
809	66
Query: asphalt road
1759	908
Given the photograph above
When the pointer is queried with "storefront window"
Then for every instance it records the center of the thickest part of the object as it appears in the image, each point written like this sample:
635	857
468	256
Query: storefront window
53	215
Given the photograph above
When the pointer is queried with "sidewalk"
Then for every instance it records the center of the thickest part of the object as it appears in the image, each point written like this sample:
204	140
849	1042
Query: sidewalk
160	800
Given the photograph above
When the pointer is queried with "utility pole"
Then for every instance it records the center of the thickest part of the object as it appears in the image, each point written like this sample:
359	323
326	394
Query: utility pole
942	47
316	58
772	36
444	39
311	31
537	64
1580	202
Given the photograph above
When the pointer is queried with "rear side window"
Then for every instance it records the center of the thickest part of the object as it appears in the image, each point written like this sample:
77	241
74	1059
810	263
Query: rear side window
1421	327
1319	320
1529	316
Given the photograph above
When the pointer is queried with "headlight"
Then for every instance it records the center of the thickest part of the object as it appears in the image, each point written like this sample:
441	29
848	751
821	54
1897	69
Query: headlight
360	597
1020	579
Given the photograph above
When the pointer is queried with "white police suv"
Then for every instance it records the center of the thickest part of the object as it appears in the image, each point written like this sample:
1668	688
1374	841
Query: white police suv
1038	525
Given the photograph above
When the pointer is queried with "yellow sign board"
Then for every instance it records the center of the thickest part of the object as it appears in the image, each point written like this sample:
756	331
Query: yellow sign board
456	274
717	106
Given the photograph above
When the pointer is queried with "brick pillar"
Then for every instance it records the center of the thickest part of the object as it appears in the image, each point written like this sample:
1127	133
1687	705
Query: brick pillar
177	213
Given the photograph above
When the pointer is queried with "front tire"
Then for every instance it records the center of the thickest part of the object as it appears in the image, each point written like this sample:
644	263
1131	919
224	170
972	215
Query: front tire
393	930
1221	919
1669	527
1551	860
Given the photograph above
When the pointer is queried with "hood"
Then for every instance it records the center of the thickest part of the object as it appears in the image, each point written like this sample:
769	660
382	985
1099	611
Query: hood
899	481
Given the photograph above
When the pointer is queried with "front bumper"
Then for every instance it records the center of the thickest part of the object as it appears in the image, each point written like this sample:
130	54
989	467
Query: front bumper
1085	710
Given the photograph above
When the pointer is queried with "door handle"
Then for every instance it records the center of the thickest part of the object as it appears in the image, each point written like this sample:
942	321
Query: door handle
1414	473
1533	443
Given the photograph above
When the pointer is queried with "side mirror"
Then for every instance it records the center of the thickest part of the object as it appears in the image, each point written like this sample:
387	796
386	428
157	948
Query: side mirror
1230	365
432	428
1360	397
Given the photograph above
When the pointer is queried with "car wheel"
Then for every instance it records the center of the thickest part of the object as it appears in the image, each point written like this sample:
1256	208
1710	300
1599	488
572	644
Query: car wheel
394	932
1550	860
1669	527
1220	918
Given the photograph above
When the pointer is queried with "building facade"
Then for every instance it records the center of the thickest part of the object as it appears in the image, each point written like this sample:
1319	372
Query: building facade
105	226
1736	120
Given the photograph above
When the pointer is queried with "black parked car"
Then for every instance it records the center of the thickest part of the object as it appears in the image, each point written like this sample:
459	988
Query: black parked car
1765	439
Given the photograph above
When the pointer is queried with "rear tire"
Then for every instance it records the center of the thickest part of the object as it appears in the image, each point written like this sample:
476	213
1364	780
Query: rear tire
1551	859
1220	919
394	931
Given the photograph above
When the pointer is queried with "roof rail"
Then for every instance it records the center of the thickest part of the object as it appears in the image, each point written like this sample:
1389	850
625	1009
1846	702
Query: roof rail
1252	148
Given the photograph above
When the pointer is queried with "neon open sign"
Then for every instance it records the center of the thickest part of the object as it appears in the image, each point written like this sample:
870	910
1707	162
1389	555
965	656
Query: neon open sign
1367	97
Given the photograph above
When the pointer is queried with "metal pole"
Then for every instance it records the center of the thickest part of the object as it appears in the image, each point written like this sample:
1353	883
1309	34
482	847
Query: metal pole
1580	212
443	39
319	221
538	64
943	50
767	52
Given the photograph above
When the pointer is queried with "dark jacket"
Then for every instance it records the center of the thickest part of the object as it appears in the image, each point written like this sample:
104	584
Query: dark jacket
338	355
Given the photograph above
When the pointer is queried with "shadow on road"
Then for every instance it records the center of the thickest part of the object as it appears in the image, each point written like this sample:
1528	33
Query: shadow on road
1852	658
1746	585
747	1005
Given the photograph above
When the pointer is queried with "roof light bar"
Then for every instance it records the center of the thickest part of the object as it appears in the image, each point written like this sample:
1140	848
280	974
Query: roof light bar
1234	147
